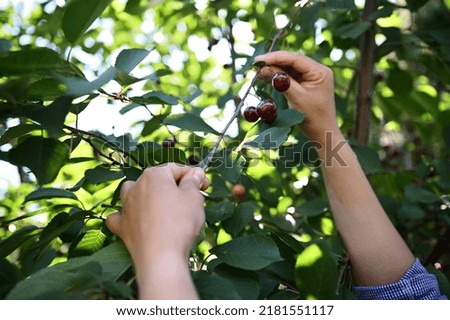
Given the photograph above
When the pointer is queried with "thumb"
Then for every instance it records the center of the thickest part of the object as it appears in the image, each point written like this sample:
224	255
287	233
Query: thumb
113	223
193	179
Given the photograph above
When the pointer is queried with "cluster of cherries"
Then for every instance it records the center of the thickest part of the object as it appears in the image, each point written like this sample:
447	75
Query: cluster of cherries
266	110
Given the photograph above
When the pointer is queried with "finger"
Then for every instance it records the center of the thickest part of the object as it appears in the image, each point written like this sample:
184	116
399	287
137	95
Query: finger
295	88
113	223
193	180
173	172
126	186
205	184
266	73
291	60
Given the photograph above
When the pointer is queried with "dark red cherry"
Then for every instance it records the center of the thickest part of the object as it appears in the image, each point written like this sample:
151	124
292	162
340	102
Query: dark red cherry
192	160
267	109
168	143
281	81
250	114
270	118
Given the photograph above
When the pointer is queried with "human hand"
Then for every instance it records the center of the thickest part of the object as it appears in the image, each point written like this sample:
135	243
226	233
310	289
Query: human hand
162	212
311	91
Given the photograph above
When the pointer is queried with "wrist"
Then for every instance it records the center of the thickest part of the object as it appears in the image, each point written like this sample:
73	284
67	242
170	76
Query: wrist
321	136
165	276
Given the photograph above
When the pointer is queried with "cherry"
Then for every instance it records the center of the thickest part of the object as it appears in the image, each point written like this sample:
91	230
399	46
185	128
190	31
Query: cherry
270	118
281	81
192	160
267	110
238	191
168	143
250	114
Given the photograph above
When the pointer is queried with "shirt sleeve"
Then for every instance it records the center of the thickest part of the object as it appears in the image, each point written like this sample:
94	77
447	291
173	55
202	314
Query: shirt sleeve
416	284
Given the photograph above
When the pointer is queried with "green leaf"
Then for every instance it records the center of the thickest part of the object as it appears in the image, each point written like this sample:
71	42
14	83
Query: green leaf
214	287
228	164
58	225
101	174
417	194
77	87
51	117
29	60
48	193
242	215
166	155
383	12
443	281
245	283
155	97
197	93
400	81
316	272
368	158
409	211
128	59
114	261
341	4
352	30
9	276
89	243
219	211
18	131
46	89
189	121
415	5
79	16
43	156
259	64
15	240
446	136
266	179
288	118
313	208
5	45
271	138
252	252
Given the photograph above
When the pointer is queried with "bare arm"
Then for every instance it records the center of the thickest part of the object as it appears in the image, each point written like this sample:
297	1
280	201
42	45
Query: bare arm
161	217
377	252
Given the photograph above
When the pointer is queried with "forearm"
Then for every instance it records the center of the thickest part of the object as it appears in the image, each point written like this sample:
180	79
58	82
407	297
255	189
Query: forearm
166	276
377	252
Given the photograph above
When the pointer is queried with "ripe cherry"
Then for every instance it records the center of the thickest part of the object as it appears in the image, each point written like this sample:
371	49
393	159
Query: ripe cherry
192	160
238	191
168	143
281	81
270	118
267	110
250	114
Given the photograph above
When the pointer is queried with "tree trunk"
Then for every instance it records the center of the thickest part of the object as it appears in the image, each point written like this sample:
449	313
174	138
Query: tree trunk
367	49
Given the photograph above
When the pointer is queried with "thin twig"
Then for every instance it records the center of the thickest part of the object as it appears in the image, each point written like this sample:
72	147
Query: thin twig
207	161
110	144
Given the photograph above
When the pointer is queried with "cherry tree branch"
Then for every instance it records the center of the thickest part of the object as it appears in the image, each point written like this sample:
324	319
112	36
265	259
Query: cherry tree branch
107	142
207	161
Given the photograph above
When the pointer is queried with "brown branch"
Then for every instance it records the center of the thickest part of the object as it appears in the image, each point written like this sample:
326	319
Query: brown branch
110	144
367	47
207	161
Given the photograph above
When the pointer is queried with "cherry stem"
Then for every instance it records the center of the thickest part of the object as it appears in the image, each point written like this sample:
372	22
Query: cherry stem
207	161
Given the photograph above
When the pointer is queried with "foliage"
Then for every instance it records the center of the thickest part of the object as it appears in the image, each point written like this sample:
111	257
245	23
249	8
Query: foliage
179	69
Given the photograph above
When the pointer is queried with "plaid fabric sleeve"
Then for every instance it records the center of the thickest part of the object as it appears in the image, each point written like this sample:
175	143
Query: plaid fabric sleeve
416	284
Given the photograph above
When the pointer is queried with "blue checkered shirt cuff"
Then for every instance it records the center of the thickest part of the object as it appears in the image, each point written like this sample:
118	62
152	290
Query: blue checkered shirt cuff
416	284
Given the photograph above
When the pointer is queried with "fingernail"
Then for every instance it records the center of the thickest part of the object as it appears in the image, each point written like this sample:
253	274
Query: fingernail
198	175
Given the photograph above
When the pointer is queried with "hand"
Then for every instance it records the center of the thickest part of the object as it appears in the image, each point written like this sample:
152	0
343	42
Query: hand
162	211
311	91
